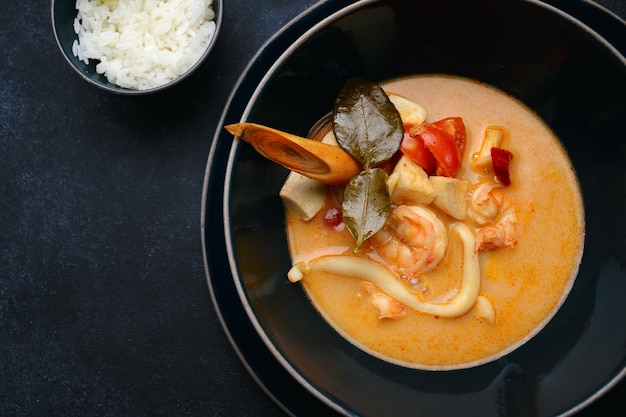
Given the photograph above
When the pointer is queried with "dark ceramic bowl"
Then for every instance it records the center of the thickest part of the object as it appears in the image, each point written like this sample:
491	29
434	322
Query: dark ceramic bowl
510	44
63	14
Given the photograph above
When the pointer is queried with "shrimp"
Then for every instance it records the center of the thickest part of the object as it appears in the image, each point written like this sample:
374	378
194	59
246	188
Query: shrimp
494	213
414	240
387	307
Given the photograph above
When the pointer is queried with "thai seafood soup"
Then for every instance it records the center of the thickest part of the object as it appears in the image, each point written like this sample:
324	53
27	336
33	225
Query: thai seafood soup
478	239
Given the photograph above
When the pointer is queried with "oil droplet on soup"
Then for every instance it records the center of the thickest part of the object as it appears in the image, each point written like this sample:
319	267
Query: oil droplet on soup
525	284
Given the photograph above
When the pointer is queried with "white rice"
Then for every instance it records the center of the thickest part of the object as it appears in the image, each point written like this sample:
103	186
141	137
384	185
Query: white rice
142	44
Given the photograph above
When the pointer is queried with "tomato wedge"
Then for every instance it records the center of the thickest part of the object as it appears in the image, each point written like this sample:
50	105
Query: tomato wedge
416	150
442	146
455	126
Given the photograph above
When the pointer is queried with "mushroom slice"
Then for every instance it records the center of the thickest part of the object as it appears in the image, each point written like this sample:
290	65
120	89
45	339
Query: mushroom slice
411	112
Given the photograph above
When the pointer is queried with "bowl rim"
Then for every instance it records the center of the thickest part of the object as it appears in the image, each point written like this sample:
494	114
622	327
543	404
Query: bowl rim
217	6
221	142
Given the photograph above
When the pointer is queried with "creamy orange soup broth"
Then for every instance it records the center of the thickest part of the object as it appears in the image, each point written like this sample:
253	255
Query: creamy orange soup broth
525	284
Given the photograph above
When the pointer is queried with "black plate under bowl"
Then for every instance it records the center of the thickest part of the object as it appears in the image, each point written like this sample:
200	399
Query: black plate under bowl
568	67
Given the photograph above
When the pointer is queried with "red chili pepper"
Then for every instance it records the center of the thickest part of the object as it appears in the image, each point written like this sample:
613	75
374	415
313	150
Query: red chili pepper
500	159
333	217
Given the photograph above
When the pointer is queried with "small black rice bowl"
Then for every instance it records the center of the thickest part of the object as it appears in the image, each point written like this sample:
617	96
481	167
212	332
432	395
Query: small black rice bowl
63	14
569	68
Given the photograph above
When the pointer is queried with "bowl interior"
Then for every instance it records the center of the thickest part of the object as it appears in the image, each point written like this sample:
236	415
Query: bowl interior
63	14
557	67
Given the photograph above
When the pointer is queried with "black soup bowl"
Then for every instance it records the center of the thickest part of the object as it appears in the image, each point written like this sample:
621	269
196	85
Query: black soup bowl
565	61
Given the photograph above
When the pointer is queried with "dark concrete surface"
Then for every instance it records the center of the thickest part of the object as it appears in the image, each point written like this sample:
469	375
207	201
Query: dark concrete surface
104	307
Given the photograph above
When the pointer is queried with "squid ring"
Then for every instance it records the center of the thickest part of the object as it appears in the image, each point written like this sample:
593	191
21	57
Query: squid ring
372	271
